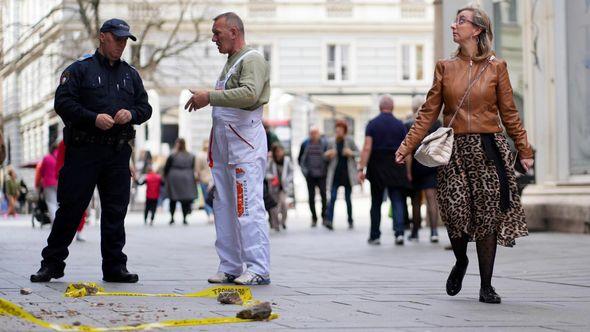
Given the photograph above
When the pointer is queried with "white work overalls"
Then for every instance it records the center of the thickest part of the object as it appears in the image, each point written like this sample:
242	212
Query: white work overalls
237	157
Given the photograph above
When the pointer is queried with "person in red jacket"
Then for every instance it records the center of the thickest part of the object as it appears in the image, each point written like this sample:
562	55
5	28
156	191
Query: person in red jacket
61	155
153	181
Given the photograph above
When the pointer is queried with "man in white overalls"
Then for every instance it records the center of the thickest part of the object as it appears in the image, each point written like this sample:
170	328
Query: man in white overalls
237	156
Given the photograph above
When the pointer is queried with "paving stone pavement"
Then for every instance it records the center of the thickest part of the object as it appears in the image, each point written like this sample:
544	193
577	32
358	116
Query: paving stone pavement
321	280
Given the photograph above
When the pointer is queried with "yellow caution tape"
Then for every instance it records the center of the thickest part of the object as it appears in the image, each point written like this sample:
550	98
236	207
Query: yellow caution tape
92	289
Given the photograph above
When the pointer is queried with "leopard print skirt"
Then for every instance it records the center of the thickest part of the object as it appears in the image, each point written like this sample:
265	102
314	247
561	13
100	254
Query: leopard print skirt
468	193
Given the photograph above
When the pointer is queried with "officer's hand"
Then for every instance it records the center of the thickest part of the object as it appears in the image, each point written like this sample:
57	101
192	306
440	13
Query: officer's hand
199	99
104	122
122	117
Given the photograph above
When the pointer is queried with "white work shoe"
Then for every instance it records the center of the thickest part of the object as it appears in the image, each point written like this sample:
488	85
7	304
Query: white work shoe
251	278
221	278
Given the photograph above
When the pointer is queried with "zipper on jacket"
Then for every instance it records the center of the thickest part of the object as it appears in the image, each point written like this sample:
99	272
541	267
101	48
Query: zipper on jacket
468	97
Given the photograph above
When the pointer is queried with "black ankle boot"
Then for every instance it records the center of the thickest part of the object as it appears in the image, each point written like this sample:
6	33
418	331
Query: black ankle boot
122	276
45	274
488	294
455	280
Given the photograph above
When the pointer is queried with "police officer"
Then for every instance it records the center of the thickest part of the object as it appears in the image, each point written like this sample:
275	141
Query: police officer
99	98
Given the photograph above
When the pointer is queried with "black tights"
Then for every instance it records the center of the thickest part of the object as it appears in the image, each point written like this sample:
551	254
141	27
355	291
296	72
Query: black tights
150	206
186	209
486	254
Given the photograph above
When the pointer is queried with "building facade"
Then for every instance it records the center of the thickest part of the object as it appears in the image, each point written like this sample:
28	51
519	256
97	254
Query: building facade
329	59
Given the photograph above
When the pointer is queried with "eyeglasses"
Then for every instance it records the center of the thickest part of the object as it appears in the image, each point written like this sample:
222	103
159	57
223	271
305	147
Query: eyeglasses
462	20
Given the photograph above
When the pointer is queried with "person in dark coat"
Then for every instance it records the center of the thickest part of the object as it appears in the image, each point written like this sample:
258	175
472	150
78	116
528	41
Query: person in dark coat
314	167
181	183
423	182
341	156
383	135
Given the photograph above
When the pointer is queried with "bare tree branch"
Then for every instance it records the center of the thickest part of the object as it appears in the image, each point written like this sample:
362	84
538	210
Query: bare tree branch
95	7
83	11
88	12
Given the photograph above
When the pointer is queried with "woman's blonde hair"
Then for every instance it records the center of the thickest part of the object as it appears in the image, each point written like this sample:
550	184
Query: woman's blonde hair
484	39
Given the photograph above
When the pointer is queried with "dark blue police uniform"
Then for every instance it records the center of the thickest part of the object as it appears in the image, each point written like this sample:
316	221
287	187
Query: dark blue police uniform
95	157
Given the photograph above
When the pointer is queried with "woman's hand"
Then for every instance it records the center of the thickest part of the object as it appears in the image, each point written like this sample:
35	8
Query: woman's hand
347	152
330	154
361	176
400	158
527	163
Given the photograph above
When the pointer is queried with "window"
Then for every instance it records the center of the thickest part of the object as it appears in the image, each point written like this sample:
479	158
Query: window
266	50
412	65
339	8
419	62
262	8
406	62
338	63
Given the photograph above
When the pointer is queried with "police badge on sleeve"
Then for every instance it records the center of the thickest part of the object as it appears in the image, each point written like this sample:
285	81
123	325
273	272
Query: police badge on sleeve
65	76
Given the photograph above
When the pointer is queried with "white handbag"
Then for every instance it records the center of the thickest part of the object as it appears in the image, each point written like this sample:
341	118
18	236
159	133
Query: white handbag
436	148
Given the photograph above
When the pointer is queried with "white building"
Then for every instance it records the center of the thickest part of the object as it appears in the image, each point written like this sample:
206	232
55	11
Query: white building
332	59
329	59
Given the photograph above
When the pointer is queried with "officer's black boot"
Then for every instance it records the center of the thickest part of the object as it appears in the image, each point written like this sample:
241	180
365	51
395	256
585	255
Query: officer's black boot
121	275
45	274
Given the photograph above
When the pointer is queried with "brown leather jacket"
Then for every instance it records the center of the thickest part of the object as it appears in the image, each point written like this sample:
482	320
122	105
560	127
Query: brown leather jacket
488	105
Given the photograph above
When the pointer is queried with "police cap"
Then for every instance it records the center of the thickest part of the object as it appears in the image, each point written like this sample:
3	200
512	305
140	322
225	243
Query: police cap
118	28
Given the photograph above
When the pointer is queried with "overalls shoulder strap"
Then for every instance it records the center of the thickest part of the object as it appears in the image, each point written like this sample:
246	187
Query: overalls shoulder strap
232	70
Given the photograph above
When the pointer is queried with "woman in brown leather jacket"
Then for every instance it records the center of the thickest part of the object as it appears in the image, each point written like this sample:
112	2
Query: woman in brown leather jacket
477	191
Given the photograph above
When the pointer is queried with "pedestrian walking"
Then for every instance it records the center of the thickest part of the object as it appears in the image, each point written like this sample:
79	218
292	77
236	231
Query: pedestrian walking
153	182
341	154
237	156
180	178
48	173
383	135
423	184
279	175
23	191
477	191
2	148
204	178
99	98
313	165
60	159
271	137
11	192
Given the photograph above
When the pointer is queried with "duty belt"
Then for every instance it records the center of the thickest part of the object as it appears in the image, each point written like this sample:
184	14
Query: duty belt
79	137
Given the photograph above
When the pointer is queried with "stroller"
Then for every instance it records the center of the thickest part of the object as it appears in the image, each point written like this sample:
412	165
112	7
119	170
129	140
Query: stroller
39	208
